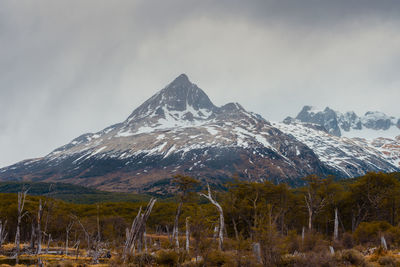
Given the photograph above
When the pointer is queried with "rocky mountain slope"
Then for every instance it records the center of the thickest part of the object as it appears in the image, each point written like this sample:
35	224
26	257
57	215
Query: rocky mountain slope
374	132
351	157
180	131
372	124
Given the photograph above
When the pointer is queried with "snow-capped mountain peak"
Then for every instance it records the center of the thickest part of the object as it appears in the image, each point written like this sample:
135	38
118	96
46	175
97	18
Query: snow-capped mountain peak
180	98
372	125
179	130
377	120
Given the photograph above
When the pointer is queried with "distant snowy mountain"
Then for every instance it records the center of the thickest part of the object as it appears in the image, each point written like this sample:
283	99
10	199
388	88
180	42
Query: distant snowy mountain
373	124
375	131
349	156
180	131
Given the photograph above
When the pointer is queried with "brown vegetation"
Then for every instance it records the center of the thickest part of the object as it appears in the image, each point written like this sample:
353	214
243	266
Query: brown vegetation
325	223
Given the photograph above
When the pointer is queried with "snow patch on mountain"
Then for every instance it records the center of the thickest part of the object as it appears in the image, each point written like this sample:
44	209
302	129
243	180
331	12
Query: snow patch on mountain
371	134
347	155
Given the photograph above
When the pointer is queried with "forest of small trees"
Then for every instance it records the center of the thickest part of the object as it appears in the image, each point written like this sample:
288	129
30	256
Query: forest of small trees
325	223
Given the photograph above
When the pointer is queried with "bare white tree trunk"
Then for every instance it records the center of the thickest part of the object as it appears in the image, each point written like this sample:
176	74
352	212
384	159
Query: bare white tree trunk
21	214
39	229
235	228
215	235
302	235
96	253
145	241
221	216
68	229
187	234
77	248
3	233
314	206
257	251
336	226
48	244
310	211
175	231
89	248
383	243
138	228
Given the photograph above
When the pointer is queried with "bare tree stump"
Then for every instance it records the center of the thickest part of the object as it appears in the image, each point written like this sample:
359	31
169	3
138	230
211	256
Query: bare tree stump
383	243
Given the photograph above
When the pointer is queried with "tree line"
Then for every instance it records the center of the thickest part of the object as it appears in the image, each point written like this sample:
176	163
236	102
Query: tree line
255	216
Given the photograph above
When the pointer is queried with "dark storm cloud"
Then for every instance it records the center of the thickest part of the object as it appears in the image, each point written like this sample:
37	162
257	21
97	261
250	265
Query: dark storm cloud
69	67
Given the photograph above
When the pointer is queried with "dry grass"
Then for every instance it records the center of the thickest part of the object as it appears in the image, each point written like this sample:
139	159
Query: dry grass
377	258
50	259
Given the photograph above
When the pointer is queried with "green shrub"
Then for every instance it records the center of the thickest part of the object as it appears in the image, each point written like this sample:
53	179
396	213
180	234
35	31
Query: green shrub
293	242
353	257
144	259
368	232
347	241
388	261
310	259
393	236
314	242
167	258
219	258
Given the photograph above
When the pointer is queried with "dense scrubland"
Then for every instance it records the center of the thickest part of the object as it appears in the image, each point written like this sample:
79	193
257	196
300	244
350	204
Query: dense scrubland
325	223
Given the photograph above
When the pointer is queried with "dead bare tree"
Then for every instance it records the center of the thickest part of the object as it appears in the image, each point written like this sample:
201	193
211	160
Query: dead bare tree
336	226
39	229
175	231
221	216
68	229
145	240
187	234
315	197
185	184
98	223
77	248
20	215
136	233
87	235
33	237
96	253
313	207
48	243
49	203
3	233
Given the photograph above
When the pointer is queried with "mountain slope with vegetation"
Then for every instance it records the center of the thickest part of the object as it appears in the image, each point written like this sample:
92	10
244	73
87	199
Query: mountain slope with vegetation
71	193
279	221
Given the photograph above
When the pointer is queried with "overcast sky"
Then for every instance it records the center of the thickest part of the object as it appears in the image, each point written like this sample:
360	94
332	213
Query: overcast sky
70	67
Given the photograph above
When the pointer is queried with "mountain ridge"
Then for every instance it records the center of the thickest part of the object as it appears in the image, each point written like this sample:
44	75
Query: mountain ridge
343	124
180	130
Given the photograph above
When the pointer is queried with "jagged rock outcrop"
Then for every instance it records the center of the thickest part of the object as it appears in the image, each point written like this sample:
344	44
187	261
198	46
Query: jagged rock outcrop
373	123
